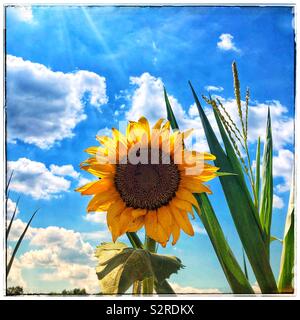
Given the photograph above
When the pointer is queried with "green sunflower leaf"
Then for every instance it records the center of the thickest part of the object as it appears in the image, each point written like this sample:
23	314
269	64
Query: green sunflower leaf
120	267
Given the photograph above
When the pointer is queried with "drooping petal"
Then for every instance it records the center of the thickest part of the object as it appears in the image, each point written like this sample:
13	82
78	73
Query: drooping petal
165	219
182	220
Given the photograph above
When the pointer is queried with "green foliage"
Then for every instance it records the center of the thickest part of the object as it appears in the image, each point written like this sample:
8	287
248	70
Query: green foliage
267	186
74	292
120	267
14	291
286	273
239	202
233	272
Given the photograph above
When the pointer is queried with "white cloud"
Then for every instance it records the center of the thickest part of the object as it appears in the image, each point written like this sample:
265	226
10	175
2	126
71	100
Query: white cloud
96	217
21	13
82	181
257	121
18	226
60	255
282	167
65	170
278	202
148	100
213	88
198	229
15	277
44	106
35	179
226	42
187	290
11	206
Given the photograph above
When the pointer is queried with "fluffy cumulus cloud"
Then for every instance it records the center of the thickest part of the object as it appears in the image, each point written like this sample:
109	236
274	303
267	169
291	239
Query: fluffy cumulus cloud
278	202
35	179
283	164
60	254
66	170
192	290
226	43
11	208
96	217
148	100
44	106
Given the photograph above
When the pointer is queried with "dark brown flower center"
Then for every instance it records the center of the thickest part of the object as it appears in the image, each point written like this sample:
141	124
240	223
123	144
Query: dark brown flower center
147	186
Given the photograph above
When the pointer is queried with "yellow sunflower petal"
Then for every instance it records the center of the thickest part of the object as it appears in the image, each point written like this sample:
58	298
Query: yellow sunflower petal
181	218
175	232
195	187
158	124
153	228
125	220
101	199
136	224
113	217
138	212
182	204
96	187
164	217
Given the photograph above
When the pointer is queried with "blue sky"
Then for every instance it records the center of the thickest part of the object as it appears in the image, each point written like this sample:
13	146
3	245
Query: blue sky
75	71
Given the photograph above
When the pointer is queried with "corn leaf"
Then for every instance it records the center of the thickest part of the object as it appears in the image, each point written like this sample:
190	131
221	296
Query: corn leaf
286	273
232	270
18	244
229	264
245	266
257	173
240	203
267	185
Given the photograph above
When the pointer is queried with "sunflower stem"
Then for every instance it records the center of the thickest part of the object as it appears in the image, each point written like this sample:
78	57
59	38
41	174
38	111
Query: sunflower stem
148	284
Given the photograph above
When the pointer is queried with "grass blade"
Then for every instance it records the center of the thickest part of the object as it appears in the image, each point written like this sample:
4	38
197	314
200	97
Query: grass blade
286	273
18	244
229	264
9	180
267	185
12	218
257	173
240	203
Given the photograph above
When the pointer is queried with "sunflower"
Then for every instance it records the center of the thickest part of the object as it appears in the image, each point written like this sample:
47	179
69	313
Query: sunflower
147	178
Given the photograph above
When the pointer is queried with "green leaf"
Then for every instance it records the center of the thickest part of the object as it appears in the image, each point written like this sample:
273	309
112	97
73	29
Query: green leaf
245	265
257	173
12	219
229	264
18	244
222	174
267	185
232	270
170	113
241	206
119	267
286	272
